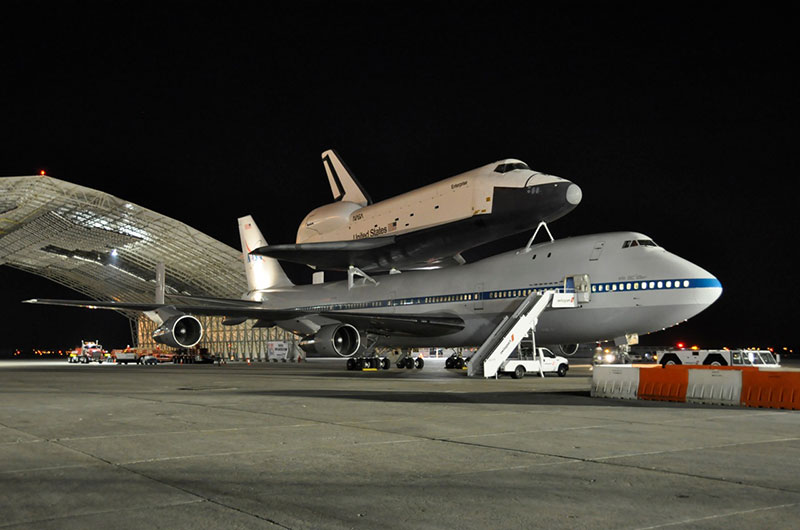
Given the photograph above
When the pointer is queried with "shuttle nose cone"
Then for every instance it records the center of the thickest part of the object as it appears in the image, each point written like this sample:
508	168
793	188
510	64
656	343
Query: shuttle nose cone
574	194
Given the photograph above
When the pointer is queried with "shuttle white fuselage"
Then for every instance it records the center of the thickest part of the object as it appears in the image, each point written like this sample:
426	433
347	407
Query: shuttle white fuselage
427	227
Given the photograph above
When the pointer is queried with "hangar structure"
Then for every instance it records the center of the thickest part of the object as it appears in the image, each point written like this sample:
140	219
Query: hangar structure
107	248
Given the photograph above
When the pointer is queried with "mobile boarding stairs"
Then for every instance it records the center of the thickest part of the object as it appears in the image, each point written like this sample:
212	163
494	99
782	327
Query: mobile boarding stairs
510	332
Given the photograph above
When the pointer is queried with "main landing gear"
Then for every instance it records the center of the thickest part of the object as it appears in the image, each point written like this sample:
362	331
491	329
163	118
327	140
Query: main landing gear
368	363
404	360
409	363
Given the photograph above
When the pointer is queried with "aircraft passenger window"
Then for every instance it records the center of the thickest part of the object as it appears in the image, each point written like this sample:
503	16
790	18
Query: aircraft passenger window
660	284
669	284
686	283
627	287
651	285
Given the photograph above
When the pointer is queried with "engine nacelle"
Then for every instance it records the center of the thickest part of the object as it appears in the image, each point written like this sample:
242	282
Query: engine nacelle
568	349
180	331
335	339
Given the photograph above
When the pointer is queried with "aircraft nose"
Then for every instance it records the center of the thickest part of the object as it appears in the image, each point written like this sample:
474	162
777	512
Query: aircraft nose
706	288
574	194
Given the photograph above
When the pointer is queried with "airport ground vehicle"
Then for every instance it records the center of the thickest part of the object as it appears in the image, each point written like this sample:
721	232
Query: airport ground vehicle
140	355
192	356
544	362
718	357
89	351
614	355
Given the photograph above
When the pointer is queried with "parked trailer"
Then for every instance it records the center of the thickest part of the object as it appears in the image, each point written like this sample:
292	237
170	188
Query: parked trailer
718	358
142	356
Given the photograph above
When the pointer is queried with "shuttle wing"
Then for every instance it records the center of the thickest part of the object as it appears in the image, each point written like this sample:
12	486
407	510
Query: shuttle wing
395	324
424	249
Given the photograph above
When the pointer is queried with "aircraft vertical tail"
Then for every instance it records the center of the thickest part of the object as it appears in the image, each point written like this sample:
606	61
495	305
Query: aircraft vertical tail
262	272
344	185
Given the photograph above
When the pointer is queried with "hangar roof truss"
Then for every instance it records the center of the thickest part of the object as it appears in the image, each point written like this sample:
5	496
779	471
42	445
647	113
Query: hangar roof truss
108	248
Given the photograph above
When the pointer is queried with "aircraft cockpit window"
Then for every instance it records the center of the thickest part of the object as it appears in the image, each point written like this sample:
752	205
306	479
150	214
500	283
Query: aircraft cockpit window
639	243
511	166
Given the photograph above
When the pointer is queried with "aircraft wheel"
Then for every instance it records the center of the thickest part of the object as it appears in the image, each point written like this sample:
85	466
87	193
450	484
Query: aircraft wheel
419	363
460	363
351	364
519	372
448	363
385	363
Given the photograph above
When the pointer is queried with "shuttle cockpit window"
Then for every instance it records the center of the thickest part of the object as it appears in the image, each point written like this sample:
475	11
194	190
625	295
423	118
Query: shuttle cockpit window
639	243
511	166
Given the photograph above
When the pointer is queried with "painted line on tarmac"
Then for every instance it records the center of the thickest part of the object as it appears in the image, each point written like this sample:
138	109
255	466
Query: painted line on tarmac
698	448
721	515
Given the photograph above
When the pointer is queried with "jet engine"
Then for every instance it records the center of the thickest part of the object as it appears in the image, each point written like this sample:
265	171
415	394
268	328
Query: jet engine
339	339
179	331
568	349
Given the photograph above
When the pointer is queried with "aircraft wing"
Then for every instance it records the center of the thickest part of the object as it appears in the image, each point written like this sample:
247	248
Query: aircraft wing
374	254
395	324
334	255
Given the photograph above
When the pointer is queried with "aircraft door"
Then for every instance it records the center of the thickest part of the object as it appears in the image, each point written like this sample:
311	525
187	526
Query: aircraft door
597	250
477	300
581	285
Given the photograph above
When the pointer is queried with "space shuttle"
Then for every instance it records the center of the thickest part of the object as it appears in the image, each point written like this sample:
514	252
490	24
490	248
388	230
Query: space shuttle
426	228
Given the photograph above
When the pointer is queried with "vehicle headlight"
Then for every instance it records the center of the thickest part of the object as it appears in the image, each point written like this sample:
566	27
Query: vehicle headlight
610	357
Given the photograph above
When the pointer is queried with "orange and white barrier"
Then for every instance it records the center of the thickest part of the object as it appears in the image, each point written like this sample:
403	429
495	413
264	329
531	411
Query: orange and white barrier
746	386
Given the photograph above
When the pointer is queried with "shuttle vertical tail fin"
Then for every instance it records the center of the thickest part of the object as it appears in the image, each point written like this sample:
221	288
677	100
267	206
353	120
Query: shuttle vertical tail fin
344	185
262	272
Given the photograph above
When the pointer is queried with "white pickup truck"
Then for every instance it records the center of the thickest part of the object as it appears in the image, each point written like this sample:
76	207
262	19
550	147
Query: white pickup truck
526	362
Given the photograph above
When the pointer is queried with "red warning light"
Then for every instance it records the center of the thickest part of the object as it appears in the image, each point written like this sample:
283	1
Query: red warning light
41	172
681	345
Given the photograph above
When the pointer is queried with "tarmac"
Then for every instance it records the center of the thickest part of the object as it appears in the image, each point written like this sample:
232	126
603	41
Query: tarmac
282	445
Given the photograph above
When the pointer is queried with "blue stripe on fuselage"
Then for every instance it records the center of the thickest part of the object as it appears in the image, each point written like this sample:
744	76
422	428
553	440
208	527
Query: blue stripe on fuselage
469	297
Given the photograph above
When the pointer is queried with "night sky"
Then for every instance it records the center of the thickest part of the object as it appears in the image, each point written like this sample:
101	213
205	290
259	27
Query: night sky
675	123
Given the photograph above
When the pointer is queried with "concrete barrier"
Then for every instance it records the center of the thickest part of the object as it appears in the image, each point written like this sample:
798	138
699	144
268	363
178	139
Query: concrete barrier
664	384
621	382
728	385
714	387
771	389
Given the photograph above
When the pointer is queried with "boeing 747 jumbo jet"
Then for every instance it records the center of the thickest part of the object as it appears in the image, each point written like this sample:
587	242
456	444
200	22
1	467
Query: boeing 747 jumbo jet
427	227
629	285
